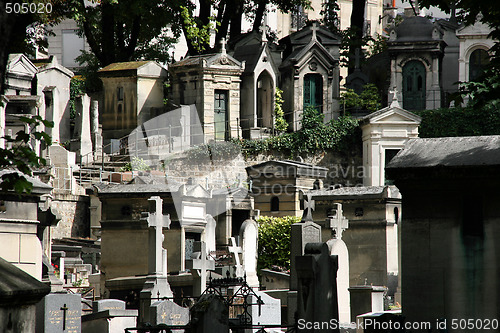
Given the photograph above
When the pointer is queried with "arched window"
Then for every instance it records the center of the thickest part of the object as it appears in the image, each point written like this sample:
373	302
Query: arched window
414	87
478	60
313	90
275	204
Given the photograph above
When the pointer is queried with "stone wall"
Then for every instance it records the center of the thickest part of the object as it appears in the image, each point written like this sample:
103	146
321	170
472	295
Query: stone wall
345	168
75	217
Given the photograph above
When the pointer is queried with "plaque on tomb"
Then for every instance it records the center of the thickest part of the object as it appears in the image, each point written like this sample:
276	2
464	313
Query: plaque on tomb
59	313
169	313
107	304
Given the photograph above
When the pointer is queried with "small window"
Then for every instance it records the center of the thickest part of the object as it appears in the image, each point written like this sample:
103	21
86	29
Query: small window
396	215
358	211
275	204
478	61
119	93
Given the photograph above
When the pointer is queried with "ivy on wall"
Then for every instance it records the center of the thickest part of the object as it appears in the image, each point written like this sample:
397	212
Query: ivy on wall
459	121
274	242
314	136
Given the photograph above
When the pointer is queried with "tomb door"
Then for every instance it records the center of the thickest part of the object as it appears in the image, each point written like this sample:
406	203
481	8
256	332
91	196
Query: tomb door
220	115
265	94
414	85
478	60
313	91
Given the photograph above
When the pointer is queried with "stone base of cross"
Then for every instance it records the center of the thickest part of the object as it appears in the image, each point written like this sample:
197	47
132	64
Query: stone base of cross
199	264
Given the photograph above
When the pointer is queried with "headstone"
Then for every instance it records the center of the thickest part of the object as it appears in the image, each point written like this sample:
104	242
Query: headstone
59	312
108	304
268	313
302	233
169	313
338	223
210	234
82	126
235	251
199	264
249	233
317	287
308	207
210	314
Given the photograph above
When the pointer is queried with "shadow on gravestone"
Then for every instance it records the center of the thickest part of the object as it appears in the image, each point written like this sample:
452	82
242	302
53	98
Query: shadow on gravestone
210	314
317	287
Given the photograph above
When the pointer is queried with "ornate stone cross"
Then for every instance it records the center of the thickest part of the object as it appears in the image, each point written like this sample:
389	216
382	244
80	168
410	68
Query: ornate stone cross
308	207
200	264
338	223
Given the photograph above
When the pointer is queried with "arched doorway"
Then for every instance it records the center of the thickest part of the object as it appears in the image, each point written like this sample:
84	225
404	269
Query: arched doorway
414	86
313	91
265	92
478	60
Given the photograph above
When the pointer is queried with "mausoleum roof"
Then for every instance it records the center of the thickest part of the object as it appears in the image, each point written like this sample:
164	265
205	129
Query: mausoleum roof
39	187
286	168
18	287
472	151
357	192
416	28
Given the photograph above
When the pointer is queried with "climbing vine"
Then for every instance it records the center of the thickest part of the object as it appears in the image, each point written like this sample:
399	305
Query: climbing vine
280	124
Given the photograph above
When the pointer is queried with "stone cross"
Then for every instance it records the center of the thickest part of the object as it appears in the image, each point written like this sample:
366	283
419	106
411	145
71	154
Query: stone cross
236	250
156	222
308	208
199	265
338	223
223	46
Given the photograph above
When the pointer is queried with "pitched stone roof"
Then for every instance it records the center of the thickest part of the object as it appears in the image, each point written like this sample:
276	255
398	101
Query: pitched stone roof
448	152
18	287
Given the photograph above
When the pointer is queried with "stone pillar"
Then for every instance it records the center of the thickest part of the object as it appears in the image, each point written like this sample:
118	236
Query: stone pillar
82	134
94	129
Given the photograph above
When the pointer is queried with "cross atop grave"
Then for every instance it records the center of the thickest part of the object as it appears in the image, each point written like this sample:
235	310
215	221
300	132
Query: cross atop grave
223	46
156	222
308	207
200	263
338	223
236	250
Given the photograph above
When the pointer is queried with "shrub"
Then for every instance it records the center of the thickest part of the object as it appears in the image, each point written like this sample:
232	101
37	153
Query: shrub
274	241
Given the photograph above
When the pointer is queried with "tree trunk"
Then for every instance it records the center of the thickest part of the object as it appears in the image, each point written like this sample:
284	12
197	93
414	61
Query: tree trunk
357	24
108	33
237	14
259	14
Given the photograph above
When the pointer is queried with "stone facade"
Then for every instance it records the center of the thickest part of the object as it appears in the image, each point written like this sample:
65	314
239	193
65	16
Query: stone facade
212	83
133	94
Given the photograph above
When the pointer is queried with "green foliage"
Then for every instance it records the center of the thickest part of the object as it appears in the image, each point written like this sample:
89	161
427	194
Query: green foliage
137	164
313	137
459	122
76	88
274	241
378	45
280	124
21	157
368	100
197	33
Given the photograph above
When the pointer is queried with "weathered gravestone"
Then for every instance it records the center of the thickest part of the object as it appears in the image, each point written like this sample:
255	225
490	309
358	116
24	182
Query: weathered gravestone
210	314
317	287
108	304
169	313
82	136
59	312
249	233
267	313
302	233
